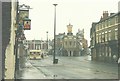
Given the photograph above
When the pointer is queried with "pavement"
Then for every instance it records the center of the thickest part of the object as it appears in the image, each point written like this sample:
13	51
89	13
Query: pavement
29	71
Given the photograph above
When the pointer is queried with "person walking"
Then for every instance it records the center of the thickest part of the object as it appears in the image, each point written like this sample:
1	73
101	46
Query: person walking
42	56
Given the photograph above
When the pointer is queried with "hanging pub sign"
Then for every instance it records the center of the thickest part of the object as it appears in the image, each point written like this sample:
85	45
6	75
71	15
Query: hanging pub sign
27	24
23	11
23	14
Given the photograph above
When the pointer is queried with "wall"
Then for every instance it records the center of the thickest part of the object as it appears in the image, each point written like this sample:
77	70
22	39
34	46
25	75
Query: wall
6	7
9	53
0	40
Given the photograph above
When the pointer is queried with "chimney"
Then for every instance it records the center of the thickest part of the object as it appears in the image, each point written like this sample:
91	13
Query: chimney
111	14
101	18
105	14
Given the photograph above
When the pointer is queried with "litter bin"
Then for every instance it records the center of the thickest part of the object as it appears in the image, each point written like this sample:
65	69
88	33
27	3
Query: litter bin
56	61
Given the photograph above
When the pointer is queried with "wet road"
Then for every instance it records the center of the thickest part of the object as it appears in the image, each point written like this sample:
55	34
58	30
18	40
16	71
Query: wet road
74	68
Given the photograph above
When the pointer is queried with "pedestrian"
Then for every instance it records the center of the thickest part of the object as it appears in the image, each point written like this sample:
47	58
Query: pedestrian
42	56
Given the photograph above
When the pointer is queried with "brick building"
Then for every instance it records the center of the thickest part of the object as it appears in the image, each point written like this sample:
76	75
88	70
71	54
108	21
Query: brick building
104	38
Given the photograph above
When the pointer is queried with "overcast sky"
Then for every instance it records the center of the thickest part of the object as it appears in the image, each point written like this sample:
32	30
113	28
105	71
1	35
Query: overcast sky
80	13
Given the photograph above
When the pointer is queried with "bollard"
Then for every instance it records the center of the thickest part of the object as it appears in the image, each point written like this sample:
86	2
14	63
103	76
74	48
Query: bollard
56	61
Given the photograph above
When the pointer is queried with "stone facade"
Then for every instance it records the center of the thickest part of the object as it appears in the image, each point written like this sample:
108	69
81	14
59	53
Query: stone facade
70	45
104	38
42	45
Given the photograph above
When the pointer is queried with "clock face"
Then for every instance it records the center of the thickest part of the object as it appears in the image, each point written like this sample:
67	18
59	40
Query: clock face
24	13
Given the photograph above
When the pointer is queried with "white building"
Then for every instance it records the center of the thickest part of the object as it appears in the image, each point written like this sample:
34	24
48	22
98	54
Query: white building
42	45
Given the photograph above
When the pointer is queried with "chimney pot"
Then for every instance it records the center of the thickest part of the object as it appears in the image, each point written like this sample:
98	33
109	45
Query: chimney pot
105	14
111	14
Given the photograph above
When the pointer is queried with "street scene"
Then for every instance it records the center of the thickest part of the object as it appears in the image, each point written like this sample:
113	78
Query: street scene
59	39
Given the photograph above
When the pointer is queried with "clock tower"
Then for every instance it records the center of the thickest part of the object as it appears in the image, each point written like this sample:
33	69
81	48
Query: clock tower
69	28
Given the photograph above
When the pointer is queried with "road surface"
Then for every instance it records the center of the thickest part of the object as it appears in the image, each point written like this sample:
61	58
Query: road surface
69	68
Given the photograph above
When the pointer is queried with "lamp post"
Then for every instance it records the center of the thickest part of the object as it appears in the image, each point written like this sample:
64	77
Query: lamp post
54	33
47	40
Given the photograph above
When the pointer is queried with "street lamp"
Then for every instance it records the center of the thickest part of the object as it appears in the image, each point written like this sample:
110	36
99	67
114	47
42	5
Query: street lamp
47	40
54	62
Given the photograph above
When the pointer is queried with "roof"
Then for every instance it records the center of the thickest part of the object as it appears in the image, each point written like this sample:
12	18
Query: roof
109	17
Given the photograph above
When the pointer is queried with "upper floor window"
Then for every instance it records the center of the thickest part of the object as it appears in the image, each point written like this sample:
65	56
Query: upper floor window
97	27
116	34
103	38
109	35
106	23
106	36
116	19
99	38
96	38
103	24
112	21
106	52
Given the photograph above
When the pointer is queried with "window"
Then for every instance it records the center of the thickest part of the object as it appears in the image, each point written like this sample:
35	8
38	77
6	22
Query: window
109	35
97	38
37	46
100	26
97	27
106	24
106	36
100	37
111	21
103	38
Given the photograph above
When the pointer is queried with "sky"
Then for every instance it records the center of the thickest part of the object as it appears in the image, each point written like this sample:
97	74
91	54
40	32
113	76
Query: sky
80	13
